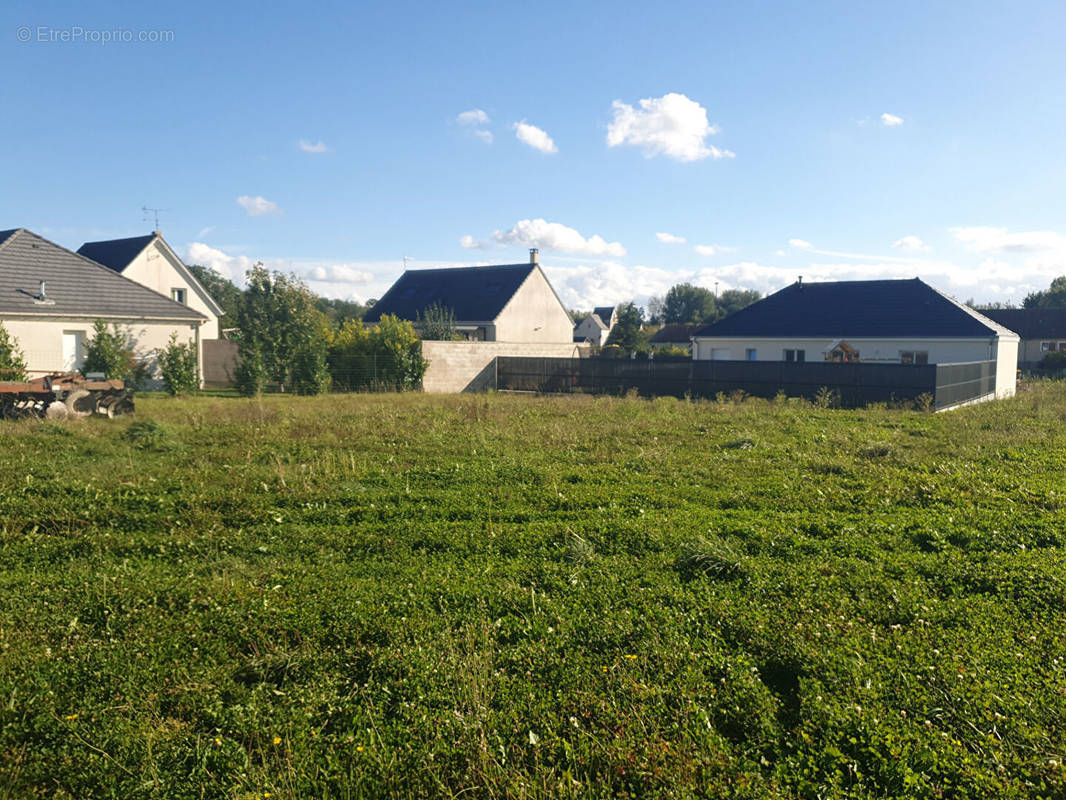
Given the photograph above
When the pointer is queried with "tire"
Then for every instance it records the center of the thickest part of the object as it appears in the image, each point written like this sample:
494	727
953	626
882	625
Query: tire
56	410
80	403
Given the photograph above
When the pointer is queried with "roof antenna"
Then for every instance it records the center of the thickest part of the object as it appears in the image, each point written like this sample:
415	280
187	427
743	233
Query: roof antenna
154	212
405	263
800	280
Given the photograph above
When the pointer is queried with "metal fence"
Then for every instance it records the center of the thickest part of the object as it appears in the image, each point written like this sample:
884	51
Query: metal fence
854	385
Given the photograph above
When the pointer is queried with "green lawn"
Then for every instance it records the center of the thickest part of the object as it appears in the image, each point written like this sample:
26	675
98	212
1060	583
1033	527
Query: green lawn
495	596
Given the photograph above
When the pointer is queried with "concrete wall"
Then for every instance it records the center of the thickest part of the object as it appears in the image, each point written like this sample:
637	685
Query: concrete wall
535	314
156	269
41	340
468	366
1006	366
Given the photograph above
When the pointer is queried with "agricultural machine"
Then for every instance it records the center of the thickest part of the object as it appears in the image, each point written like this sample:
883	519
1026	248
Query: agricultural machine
59	396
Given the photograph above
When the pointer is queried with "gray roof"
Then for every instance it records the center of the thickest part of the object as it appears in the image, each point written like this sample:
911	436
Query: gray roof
868	309
74	285
604	313
474	294
116	253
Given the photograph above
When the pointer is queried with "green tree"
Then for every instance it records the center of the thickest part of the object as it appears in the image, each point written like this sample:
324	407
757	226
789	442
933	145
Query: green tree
222	291
339	311
628	331
732	300
112	352
686	304
12	361
436	323
1052	297
178	366
282	337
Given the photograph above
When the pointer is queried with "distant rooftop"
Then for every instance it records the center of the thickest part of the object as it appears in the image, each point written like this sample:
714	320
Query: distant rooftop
116	253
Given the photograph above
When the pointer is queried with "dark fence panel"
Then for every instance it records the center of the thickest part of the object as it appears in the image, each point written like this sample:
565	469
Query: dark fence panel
856	384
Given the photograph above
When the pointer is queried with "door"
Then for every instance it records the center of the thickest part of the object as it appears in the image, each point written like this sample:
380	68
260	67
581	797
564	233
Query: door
73	350
721	354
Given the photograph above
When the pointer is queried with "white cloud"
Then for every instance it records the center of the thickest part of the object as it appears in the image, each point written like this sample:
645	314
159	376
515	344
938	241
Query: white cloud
340	273
534	137
779	252
257	206
313	147
800	244
669	238
546	235
474	116
671	125
910	244
998	240
891	120
712	249
485	136
232	267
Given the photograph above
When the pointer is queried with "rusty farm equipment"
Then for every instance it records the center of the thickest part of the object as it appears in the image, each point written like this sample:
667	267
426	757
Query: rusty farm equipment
64	395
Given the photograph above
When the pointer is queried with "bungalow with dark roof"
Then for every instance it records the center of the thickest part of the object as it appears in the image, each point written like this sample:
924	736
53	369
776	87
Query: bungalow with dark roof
1042	331
50	297
504	303
890	321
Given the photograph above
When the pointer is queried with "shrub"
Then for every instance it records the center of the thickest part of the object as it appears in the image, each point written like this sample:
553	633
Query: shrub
387	357
112	353
12	362
178	365
437	323
1054	361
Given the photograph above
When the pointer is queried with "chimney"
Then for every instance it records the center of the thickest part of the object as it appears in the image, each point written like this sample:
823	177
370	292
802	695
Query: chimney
799	281
533	255
42	296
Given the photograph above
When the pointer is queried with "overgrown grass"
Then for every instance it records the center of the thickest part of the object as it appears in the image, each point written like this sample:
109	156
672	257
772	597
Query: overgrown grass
491	596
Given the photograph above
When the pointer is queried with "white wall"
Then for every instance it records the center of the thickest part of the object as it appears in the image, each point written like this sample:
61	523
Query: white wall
41	340
588	329
870	350
155	268
1006	367
534	314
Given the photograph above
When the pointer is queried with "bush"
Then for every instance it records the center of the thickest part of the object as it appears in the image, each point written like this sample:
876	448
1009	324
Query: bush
388	357
112	353
437	323
1054	361
178	365
12	362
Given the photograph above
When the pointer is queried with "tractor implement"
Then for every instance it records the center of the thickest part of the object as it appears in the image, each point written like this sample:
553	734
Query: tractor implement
63	395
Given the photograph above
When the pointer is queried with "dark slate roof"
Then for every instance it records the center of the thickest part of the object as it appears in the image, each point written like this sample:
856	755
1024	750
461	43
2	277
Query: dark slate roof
604	313
838	309
5	234
474	294
116	253
668	334
74	285
1031	323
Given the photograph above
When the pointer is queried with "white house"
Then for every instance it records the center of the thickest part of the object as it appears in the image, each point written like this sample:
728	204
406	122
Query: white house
890	321
505	303
151	262
50	297
596	327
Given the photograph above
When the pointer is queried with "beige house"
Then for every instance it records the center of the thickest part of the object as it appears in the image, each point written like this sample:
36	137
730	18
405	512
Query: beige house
50	297
887	321
151	262
596	327
504	303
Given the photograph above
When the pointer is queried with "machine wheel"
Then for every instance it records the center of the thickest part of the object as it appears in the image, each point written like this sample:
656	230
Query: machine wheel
80	403
56	410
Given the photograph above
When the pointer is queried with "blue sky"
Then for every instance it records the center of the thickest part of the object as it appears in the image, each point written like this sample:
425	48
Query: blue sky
832	140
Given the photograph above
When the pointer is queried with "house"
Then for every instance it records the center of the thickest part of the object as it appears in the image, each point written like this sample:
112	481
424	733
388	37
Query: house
591	330
674	335
151	262
888	321
50	297
1042	331
504	303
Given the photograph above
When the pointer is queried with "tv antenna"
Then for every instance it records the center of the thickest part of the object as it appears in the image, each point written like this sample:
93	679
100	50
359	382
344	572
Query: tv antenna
405	263
154	213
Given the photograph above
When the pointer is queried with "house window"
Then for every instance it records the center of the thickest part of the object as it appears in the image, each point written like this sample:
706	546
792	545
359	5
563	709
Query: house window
1052	347
914	357
749	354
796	355
178	295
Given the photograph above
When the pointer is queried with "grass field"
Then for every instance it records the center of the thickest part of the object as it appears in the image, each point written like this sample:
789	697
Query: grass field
493	596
